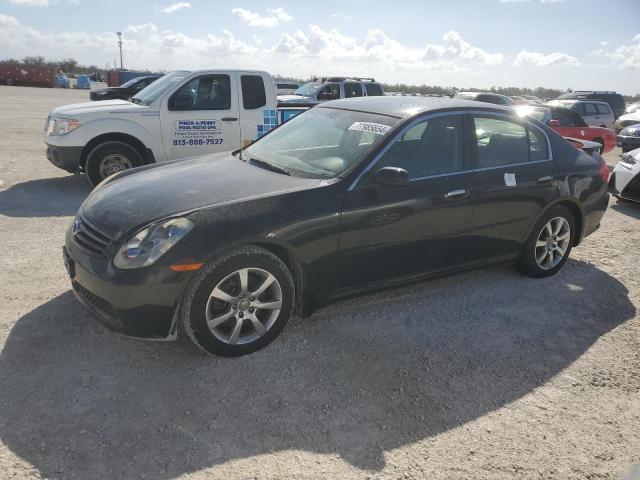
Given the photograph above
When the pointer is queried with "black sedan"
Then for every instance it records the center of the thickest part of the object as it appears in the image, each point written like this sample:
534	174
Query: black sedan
350	196
124	91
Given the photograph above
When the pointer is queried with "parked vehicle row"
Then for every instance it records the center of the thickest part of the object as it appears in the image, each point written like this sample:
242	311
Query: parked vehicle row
333	88
124	91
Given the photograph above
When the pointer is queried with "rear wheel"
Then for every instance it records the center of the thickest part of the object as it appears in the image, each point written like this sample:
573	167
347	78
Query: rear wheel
239	302
549	243
110	158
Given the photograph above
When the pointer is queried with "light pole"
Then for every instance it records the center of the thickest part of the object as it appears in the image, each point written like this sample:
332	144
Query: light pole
120	45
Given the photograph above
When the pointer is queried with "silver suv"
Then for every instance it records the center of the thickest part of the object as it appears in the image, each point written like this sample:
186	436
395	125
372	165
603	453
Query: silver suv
333	88
594	113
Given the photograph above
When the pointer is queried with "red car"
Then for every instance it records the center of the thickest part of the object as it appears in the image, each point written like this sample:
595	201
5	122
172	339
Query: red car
570	124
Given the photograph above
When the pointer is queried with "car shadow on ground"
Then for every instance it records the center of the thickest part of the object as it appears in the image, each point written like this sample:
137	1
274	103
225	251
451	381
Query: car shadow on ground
356	379
46	197
626	207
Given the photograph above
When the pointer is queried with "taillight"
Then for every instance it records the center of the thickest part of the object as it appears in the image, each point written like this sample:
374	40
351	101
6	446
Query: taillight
604	170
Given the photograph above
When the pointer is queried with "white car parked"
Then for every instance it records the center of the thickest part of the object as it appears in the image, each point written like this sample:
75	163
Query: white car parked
594	113
183	114
625	178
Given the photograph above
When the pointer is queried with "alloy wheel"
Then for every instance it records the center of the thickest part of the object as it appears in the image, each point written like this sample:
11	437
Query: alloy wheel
553	242
243	306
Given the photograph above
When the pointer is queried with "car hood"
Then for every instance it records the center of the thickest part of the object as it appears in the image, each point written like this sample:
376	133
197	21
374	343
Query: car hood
78	109
635	116
159	191
294	99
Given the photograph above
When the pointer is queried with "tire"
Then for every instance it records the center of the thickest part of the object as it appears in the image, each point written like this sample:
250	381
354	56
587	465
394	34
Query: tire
529	262
215	307
109	158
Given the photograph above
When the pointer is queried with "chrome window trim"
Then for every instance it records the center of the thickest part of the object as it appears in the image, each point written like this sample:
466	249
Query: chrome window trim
459	112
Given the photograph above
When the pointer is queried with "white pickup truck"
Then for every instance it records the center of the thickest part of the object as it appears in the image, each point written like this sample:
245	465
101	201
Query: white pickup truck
182	114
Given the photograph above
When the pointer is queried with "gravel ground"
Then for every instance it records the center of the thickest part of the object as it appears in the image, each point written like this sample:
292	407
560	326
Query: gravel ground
483	375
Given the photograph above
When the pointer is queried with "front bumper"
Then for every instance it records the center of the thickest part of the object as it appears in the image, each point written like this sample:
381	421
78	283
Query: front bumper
141	303
628	143
66	158
625	183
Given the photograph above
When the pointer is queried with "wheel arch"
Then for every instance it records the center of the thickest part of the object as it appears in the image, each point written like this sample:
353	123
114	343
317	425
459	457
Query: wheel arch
145	152
294	265
576	211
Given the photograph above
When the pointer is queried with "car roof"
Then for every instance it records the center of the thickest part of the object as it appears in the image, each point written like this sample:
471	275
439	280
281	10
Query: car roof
400	107
571	101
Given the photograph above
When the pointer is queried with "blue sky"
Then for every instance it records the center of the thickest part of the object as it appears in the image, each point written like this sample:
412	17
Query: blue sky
581	44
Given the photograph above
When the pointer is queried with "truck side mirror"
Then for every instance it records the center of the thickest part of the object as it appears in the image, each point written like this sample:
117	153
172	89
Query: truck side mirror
180	102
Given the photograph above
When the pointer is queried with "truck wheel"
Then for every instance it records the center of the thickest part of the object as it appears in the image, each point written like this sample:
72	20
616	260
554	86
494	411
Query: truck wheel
239	302
109	158
549	244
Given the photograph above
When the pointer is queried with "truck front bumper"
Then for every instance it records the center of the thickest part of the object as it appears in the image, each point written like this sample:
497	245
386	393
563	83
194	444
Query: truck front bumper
66	158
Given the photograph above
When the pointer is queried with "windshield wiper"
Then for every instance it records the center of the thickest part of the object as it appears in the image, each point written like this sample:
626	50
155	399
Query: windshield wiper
268	166
136	100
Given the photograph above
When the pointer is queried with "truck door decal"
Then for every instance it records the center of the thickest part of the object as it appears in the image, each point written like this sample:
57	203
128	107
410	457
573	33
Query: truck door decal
197	132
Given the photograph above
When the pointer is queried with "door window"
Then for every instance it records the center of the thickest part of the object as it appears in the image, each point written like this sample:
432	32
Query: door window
590	109
431	147
500	142
564	119
538	146
352	90
209	92
253	94
330	91
603	109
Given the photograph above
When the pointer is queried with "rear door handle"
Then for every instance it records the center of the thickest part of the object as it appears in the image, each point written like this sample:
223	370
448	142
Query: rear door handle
229	119
544	180
453	194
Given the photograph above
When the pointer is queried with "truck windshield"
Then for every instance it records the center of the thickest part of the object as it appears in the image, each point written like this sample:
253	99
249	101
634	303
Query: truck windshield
308	89
320	143
153	91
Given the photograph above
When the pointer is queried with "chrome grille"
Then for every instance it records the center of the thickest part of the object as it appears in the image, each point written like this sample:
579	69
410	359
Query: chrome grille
89	238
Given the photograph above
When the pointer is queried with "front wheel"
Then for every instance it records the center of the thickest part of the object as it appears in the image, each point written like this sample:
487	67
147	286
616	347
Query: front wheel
549	243
110	158
239	302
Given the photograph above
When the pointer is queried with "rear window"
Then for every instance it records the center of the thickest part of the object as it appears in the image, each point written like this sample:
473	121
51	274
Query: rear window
253	93
374	90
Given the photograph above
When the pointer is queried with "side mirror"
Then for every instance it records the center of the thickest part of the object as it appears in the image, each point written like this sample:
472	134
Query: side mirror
181	102
554	123
394	176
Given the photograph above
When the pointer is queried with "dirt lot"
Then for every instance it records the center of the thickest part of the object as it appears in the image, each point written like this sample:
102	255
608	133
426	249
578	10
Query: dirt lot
484	375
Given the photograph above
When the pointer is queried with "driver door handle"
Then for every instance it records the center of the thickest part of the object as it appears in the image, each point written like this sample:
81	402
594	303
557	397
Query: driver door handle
229	119
453	194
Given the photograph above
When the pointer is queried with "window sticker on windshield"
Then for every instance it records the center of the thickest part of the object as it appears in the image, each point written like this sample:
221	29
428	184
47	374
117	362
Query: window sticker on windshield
377	128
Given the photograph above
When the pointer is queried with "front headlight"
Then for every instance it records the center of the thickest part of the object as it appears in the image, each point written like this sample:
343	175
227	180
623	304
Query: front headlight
630	132
150	243
62	126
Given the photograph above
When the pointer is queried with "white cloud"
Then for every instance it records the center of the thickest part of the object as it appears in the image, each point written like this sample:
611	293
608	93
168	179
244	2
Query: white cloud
627	56
272	18
603	43
537	59
346	18
32	3
174	7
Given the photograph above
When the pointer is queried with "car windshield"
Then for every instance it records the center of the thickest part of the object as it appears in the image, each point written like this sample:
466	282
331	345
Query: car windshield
153	91
319	143
131	82
539	113
308	89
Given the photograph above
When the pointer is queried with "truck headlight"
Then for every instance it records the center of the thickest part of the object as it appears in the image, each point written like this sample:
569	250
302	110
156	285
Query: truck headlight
150	243
62	126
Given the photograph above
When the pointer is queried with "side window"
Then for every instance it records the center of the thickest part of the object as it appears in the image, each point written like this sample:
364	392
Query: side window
538	146
352	90
374	90
209	92
578	108
331	91
590	109
603	109
500	142
253	94
564	119
431	147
